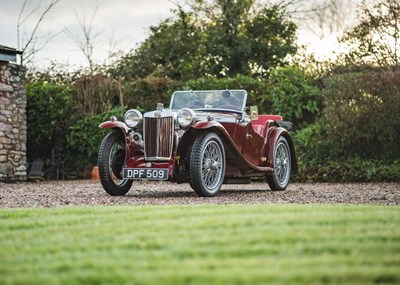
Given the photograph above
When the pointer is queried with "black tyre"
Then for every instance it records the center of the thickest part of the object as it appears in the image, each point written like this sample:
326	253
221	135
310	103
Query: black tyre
111	159
207	165
279	180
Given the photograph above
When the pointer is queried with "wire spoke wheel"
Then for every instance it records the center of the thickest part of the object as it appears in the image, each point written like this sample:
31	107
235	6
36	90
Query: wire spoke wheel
282	163
207	165
111	160
212	164
282	166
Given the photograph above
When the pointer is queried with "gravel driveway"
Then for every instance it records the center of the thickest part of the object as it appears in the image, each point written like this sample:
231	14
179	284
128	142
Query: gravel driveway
87	192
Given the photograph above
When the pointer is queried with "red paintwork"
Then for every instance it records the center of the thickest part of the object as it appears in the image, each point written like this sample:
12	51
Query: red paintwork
139	162
262	119
253	146
260	124
115	124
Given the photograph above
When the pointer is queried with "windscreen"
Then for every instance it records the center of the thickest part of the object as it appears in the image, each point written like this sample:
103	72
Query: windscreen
213	99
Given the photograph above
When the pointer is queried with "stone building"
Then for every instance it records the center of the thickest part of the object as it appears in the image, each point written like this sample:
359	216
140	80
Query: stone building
13	129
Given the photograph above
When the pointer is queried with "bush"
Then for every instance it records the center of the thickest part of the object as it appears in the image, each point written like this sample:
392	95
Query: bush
84	138
293	96
361	115
350	170
48	117
145	93
356	136
96	93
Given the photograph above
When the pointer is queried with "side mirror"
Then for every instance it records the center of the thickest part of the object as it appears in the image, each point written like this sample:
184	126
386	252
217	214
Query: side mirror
254	112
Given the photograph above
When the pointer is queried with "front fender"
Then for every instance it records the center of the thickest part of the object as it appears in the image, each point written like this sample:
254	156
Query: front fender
273	136
210	124
123	130
115	125
190	135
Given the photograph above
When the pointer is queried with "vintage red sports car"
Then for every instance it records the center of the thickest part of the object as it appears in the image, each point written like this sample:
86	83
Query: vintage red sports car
205	138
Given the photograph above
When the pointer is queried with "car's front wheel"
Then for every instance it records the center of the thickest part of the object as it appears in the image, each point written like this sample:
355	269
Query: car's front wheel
111	160
279	180
207	165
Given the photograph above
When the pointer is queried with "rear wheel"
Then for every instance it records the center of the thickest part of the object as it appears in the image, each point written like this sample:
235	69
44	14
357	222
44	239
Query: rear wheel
111	160
279	180
207	165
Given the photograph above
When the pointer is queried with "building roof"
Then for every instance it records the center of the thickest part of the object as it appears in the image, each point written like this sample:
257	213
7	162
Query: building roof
9	50
8	54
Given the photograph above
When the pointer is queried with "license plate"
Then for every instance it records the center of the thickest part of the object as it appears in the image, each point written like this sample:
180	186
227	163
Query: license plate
146	173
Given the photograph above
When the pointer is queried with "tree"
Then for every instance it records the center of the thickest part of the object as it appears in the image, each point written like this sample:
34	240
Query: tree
272	37
227	36
171	50
242	38
218	38
376	38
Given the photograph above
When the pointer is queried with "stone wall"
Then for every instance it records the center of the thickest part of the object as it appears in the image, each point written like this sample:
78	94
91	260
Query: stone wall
13	129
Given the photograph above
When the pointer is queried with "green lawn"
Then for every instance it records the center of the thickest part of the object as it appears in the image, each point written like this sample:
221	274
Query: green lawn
220	244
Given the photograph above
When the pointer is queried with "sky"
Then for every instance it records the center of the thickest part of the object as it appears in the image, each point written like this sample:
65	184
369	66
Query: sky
119	25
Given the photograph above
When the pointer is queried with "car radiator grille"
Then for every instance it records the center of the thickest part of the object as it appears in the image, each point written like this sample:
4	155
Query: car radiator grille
158	138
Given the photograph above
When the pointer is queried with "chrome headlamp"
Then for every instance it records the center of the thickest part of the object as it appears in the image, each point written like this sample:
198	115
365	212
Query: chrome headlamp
185	118
133	118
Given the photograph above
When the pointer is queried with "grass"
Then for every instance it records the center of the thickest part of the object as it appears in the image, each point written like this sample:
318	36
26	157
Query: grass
229	244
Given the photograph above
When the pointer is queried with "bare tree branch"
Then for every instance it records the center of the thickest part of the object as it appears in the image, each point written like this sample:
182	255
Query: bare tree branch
87	40
28	47
375	39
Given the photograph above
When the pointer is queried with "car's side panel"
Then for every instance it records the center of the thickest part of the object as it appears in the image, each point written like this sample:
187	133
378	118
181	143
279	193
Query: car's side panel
240	135
233	153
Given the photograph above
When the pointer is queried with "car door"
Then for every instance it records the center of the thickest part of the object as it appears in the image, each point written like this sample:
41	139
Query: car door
253	145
